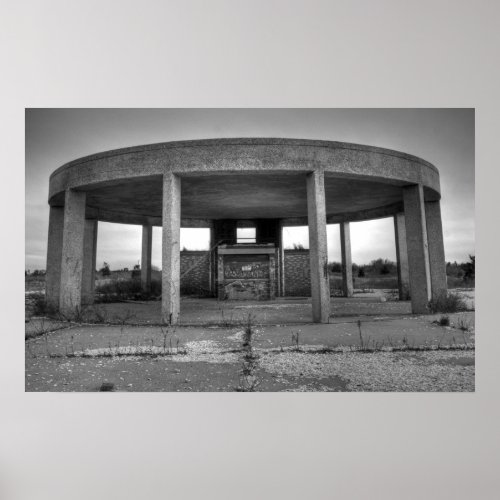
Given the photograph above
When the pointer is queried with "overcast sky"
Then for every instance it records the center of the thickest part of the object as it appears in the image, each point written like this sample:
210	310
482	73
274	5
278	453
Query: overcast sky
444	137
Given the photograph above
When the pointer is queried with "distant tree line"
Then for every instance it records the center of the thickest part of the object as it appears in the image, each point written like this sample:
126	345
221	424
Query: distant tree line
377	266
36	272
465	270
135	273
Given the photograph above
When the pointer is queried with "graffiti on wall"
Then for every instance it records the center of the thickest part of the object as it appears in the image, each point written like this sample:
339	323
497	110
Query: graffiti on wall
247	290
244	270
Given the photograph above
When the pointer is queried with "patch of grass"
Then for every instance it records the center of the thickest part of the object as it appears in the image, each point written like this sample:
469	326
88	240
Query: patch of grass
447	303
248	379
392	295
167	346
377	282
100	315
225	320
336	287
455	282
124	317
40	307
117	351
443	320
126	289
363	344
42	328
464	324
248	331
376	347
76	315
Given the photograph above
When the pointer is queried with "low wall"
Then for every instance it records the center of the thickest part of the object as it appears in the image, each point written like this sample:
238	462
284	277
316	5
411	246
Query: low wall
297	273
195	272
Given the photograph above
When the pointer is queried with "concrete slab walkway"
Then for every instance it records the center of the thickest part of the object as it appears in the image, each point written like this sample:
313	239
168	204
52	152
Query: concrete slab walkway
296	356
380	330
282	311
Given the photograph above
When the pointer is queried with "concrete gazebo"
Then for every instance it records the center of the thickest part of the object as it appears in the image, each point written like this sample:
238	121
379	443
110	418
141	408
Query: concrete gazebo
217	182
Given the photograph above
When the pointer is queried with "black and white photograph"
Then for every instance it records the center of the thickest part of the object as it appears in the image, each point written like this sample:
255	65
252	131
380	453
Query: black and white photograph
250	252
249	234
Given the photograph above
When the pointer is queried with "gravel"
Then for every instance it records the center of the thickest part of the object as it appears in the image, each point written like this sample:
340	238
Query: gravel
381	371
407	371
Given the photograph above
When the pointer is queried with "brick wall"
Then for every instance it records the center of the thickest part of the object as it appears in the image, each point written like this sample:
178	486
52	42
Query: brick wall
195	272
297	273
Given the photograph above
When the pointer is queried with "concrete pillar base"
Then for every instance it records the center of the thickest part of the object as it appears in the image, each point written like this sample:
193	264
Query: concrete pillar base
402	257
418	256
437	261
54	257
147	244
70	296
89	261
281	260
345	247
318	252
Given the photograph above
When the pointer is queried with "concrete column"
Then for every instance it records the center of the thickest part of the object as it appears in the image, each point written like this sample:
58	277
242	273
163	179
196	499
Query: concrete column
272	277
418	254
221	289
437	261
54	256
212	251
70	294
89	261
147	244
281	261
402	256
318	253
171	262
345	248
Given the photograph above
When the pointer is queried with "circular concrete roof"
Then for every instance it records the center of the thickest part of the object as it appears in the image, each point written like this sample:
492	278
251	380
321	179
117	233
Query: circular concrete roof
243	179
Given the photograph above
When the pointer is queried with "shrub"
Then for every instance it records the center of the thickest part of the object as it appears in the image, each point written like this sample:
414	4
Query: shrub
382	266
464	324
136	272
385	269
105	271
447	303
457	282
336	289
126	290
155	288
335	267
40	307
470	269
381	282
444	320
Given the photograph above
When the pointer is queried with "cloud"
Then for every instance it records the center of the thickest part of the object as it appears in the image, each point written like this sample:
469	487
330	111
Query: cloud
444	137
